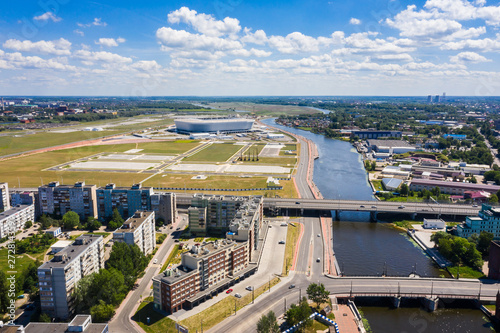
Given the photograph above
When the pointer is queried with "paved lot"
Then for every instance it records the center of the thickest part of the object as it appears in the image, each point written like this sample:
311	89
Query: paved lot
133	151
101	165
258	169
271	150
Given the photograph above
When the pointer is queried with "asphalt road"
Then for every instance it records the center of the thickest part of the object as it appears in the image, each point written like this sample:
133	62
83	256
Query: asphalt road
121	321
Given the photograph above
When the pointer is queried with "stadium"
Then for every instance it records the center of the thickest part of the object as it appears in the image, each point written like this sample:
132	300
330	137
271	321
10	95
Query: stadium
213	125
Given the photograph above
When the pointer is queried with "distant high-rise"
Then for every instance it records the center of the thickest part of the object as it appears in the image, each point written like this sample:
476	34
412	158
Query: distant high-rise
443	99
437	99
4	196
429	99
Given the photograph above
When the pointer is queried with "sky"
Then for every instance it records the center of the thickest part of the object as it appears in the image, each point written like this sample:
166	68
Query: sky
247	48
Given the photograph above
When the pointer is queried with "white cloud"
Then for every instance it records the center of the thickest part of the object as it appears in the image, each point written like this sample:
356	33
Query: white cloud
205	24
79	32
251	52
146	65
110	42
47	16
57	47
97	22
464	10
468	57
170	39
17	61
258	37
297	42
394	57
486	44
354	21
106	57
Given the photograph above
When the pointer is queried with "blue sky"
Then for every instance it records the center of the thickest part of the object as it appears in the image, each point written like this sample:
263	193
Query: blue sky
242	47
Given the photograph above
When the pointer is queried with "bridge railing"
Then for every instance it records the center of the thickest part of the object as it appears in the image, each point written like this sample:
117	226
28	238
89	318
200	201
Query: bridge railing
407	295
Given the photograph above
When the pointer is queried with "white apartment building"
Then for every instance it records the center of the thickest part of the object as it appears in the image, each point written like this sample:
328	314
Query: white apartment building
140	230
15	218
59	276
4	196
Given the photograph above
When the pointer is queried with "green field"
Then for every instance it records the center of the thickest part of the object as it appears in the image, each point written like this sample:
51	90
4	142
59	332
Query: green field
167	147
288	147
217	152
280	161
21	262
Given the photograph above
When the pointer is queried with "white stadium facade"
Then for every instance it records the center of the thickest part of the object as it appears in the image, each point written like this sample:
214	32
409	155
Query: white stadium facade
213	125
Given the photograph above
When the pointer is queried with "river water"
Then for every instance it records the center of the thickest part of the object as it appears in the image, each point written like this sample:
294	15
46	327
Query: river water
364	248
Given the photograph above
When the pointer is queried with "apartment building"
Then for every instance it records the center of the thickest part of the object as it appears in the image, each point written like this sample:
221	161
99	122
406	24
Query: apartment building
488	219
81	323
4	196
59	276
140	230
127	200
205	270
165	206
220	212
15	218
59	199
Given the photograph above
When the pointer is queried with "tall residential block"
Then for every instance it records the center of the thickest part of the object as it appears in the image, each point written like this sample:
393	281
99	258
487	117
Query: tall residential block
127	200
4	196
15	218
165	206
59	199
139	230
59	276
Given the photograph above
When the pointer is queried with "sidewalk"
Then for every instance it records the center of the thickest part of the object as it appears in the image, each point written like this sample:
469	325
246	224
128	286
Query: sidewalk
345	319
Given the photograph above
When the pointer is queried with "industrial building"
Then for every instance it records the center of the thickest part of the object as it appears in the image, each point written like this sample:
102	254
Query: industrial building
59	276
390	146
139	230
59	199
14	219
452	188
213	125
127	200
367	134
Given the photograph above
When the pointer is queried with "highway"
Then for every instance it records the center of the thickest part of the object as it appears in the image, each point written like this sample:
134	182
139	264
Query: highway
121	320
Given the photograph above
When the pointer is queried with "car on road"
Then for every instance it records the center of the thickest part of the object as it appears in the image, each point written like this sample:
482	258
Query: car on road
229	291
20	296
361	206
237	295
178	229
249	288
291	286
281	242
155	261
318	260
474	205
284	224
401	207
297	203
374	206
318	235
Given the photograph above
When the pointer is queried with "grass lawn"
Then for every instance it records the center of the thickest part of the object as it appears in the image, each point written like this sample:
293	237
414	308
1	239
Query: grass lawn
171	256
11	144
217	152
22	262
280	161
223	309
377	185
289	147
158	322
292	236
466	272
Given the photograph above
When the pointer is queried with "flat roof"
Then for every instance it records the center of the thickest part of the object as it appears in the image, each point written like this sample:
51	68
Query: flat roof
13	210
389	143
428	182
71	251
62	243
135	222
61	328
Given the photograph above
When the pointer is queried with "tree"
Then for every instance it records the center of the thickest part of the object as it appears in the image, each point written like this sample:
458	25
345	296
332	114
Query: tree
45	318
484	242
71	220
298	313
317	293
102	312
92	224
28	224
45	221
436	237
493	199
404	190
129	260
4	292
116	220
268	324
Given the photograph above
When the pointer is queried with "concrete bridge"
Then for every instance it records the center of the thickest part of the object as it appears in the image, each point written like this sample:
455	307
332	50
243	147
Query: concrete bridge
430	290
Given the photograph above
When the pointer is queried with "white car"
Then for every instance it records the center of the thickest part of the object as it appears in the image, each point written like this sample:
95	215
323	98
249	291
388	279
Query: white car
155	261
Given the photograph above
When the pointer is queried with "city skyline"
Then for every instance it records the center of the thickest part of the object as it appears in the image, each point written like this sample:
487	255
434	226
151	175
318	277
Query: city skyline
226	48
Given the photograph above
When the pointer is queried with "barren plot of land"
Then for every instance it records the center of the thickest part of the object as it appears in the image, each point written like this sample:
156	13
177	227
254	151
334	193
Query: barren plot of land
271	150
195	167
133	151
118	157
217	152
154	158
257	169
102	165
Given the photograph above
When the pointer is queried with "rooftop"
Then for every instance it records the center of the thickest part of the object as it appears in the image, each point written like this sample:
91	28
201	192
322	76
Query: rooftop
134	222
68	254
389	143
62	328
472	186
13	210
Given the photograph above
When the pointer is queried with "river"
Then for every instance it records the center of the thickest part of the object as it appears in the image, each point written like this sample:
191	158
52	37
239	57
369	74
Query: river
364	248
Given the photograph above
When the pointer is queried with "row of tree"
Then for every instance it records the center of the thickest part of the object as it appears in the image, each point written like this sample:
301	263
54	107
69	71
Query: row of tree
71	220
461	251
